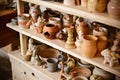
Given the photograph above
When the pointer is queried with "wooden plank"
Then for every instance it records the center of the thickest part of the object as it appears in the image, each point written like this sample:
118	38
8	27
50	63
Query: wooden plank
98	61
29	68
78	11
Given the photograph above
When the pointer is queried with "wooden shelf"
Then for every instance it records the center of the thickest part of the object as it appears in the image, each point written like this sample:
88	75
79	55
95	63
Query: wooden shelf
30	69
97	61
78	11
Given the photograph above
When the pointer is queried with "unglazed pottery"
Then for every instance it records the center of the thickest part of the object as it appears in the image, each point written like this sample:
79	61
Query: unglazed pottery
50	31
23	20
101	43
97	5
114	9
89	46
70	43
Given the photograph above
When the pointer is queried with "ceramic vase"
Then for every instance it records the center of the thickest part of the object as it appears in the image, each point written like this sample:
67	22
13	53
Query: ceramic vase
101	43
89	46
70	43
113	9
97	5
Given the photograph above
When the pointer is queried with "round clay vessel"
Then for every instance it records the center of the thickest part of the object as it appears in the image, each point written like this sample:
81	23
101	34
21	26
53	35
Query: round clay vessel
114	9
102	43
89	46
22	20
50	31
80	78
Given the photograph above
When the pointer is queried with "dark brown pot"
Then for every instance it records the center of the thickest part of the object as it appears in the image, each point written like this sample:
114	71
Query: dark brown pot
114	8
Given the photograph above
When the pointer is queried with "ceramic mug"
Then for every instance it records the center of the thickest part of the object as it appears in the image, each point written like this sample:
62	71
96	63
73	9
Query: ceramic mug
52	64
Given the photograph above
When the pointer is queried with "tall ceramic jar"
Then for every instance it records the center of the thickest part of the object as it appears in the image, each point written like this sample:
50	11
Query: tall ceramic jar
97	5
114	8
89	46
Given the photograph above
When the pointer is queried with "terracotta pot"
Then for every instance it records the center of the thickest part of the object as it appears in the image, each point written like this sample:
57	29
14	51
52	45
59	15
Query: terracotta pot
114	8
102	43
97	5
50	31
89	46
23	20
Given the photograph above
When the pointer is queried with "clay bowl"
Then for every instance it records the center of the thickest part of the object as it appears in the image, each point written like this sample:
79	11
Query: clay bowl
49	53
81	71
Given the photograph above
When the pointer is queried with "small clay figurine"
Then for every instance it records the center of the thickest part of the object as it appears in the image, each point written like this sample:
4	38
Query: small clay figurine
38	26
116	46
110	57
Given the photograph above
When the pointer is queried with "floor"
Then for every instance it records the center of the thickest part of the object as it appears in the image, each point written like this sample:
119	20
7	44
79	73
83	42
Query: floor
5	66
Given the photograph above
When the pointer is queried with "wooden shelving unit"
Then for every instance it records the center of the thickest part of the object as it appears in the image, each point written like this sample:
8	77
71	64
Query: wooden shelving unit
74	10
61	46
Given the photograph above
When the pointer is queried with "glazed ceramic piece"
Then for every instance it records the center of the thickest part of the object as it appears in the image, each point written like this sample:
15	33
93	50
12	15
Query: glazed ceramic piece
97	5
50	31
114	9
89	46
23	20
70	43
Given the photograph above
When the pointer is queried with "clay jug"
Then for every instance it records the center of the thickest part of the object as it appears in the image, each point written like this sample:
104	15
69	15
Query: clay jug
89	46
97	5
102	43
114	8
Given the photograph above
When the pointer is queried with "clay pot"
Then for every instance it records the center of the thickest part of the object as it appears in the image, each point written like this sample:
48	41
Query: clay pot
89	46
97	5
69	2
23	20
114	8
80	78
50	31
106	75
100	31
102	43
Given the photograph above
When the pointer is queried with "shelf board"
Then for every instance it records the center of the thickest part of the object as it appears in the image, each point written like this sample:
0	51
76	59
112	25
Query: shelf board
78	11
37	69
97	61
